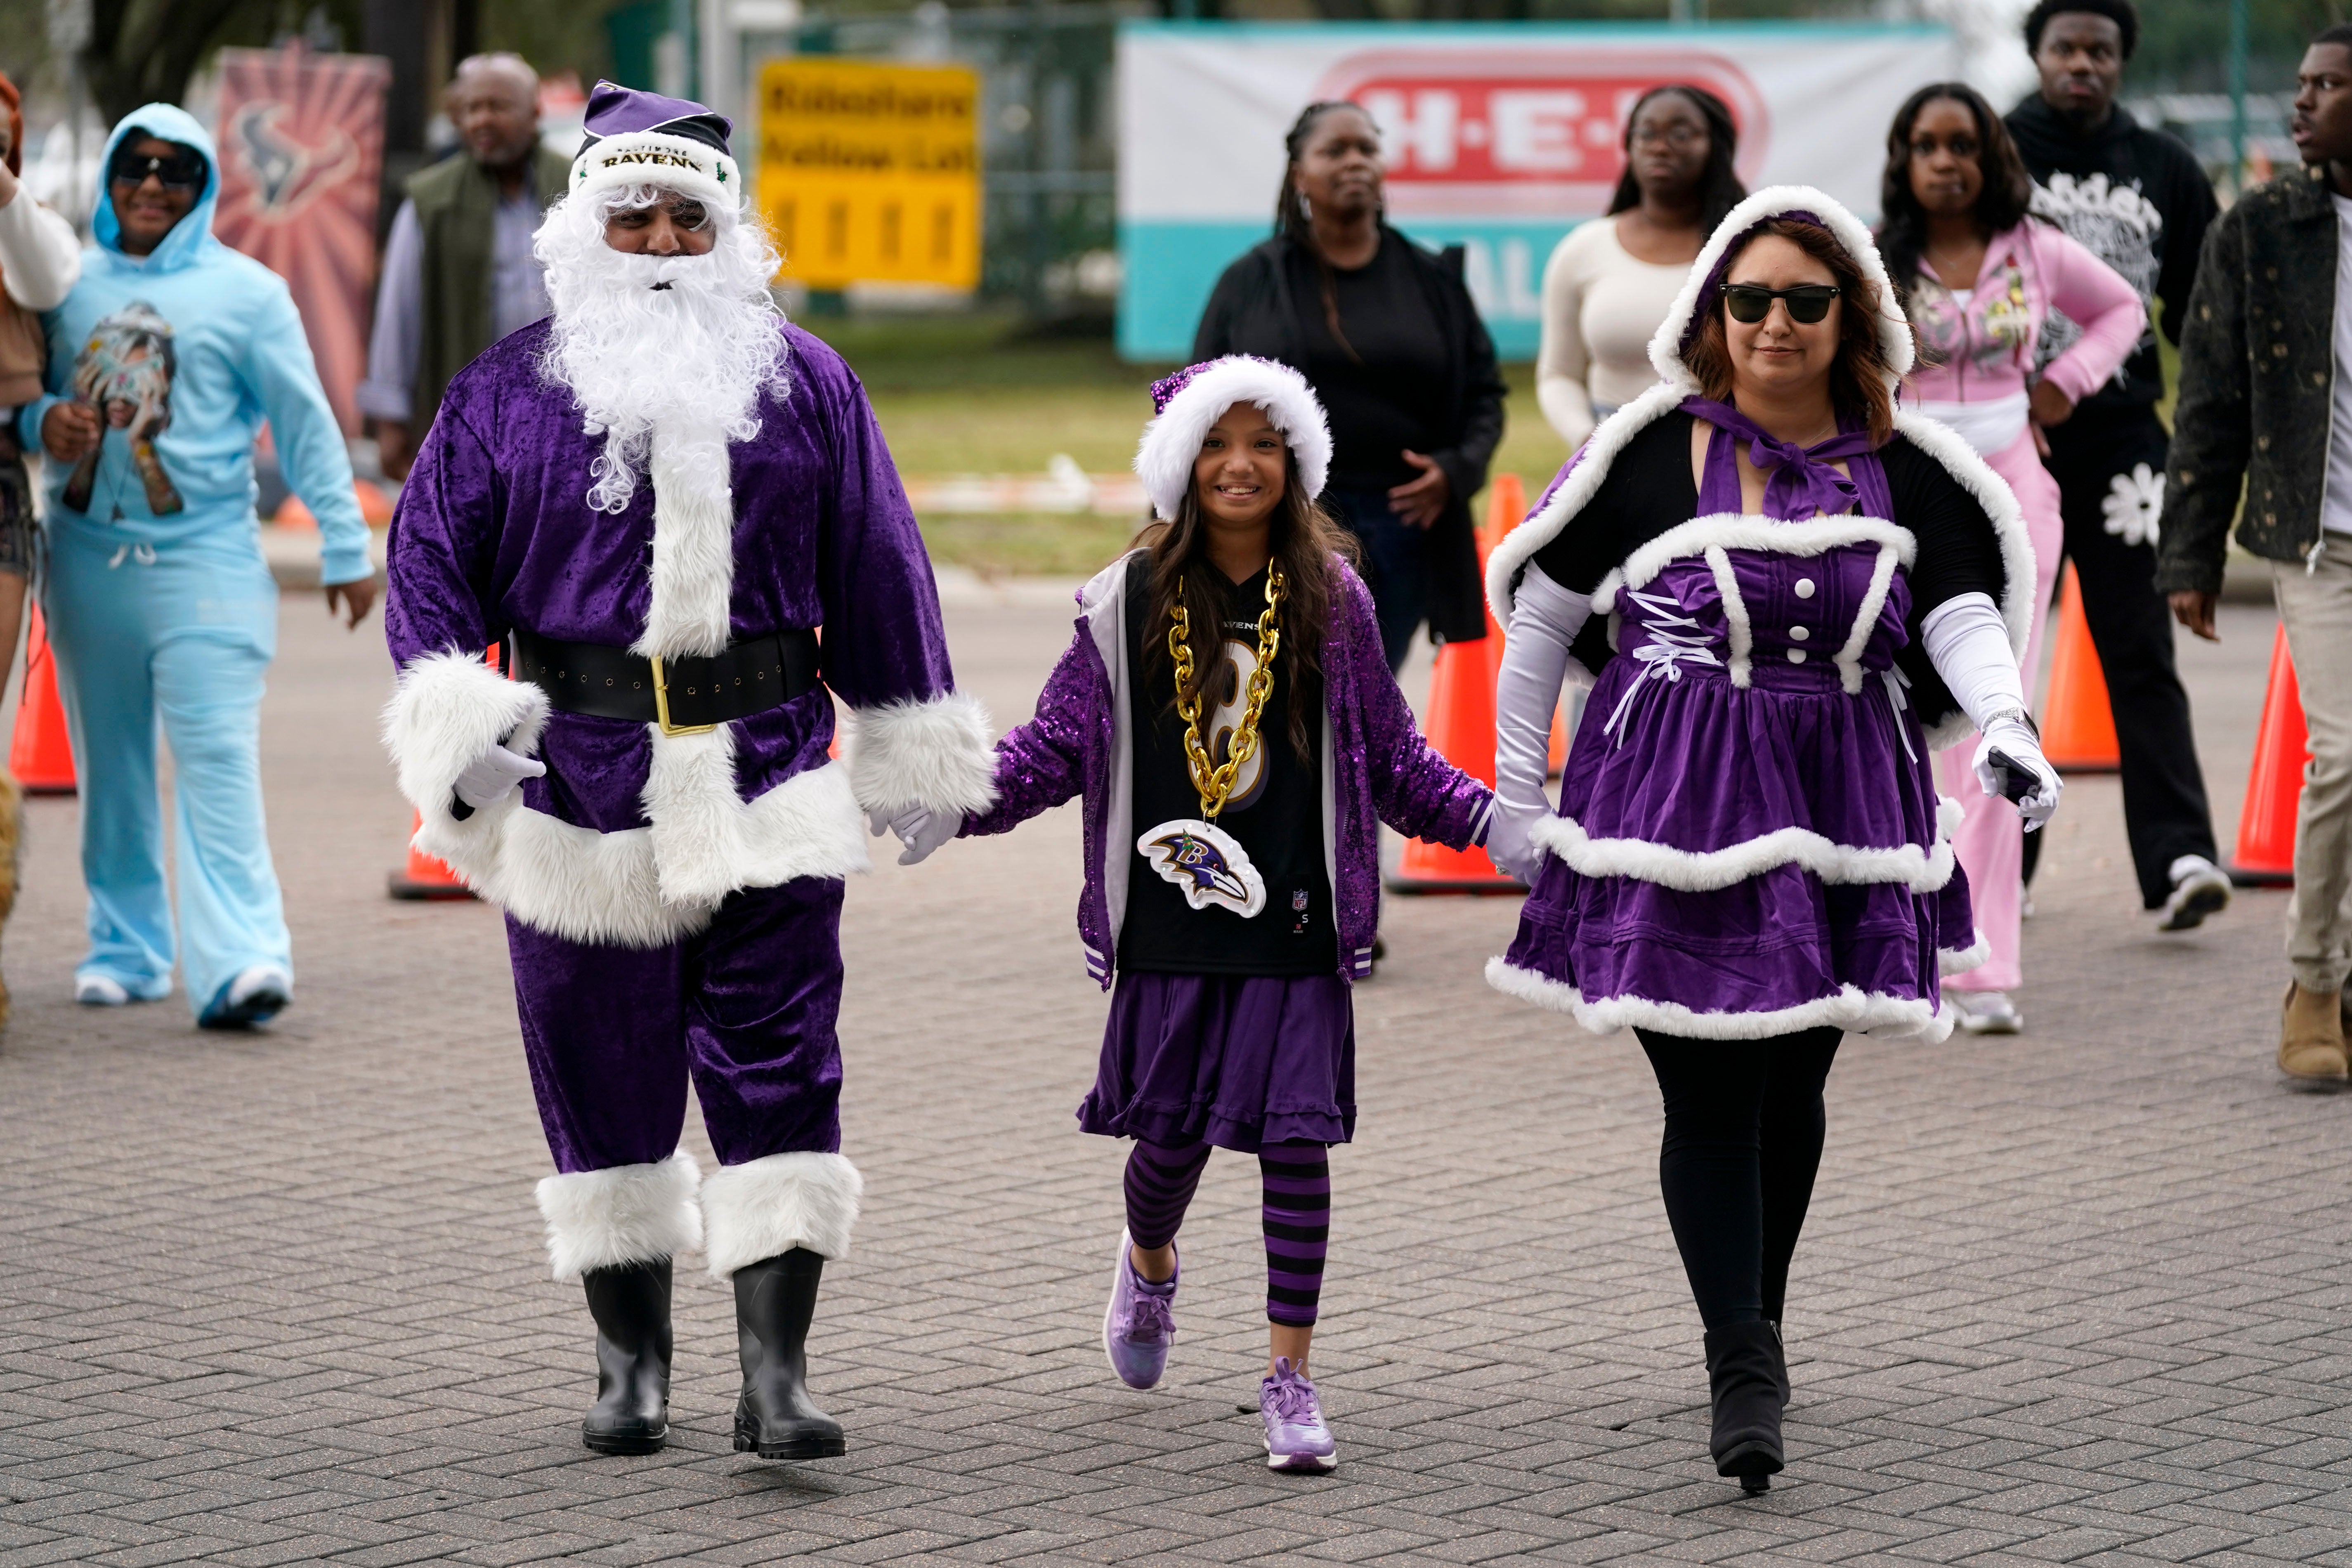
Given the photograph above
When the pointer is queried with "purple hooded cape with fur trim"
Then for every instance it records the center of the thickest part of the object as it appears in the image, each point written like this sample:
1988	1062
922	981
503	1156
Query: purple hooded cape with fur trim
1749	840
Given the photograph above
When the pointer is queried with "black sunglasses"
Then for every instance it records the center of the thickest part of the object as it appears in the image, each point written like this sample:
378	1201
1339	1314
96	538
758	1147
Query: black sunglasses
180	170
1807	302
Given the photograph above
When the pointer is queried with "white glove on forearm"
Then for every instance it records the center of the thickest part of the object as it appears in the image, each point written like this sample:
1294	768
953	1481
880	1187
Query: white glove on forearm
492	776
1545	618
920	828
1967	643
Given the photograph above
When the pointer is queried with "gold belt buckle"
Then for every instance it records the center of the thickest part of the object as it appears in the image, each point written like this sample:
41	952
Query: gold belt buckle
661	706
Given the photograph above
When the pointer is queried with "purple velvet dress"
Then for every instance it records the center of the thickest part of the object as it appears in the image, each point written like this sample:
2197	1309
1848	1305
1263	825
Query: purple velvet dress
1748	841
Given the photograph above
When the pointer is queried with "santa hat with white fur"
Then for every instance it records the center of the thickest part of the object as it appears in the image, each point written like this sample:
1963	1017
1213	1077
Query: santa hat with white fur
634	138
1188	405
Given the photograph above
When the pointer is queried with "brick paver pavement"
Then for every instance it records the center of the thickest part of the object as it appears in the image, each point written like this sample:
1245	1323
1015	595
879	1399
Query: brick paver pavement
2078	1295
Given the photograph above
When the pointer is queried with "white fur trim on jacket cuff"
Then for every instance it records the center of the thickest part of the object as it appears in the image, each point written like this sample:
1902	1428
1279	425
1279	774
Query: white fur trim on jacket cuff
624	1213
449	708
766	1208
939	753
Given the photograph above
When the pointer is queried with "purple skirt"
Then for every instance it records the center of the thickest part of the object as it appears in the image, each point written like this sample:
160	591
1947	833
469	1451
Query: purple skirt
1686	888
1236	1060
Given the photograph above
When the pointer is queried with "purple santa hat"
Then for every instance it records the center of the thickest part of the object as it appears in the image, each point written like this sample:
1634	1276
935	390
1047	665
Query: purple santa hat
1192	401
636	138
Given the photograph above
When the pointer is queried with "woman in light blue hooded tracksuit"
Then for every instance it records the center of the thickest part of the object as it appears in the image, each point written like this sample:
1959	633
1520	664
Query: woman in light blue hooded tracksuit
160	605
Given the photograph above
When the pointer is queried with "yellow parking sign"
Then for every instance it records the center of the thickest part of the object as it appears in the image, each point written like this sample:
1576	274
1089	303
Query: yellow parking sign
870	172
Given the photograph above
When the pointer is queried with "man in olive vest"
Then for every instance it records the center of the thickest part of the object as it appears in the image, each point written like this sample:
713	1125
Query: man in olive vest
458	272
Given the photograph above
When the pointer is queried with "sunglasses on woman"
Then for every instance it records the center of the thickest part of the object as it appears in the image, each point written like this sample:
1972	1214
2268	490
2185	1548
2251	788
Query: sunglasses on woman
180	170
1751	302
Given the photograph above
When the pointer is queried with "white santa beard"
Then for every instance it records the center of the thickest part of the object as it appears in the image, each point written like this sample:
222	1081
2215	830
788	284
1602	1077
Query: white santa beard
686	362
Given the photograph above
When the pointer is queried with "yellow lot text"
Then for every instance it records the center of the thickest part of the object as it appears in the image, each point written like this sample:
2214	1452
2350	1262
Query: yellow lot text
869	173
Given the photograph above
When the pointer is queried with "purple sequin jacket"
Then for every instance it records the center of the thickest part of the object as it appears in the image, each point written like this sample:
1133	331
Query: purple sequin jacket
1376	768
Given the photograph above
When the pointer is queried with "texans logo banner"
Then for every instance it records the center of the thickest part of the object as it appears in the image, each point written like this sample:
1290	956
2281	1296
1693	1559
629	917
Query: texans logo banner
301	145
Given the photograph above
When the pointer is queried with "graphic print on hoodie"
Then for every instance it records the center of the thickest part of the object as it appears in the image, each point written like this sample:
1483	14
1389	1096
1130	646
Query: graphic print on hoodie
124	372
2136	199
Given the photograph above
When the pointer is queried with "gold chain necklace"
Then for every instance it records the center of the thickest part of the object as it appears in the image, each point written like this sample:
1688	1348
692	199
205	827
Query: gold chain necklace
1214	782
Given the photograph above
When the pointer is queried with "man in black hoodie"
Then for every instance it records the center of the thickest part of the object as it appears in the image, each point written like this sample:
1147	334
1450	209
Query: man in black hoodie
2138	200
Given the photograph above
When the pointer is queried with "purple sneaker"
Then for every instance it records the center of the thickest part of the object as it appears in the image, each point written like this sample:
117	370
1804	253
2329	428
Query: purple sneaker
1140	1323
1295	1437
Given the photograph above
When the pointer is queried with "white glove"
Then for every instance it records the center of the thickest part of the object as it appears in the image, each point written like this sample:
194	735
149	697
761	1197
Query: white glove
920	828
2012	738
1545	618
1510	840
1967	643
492	776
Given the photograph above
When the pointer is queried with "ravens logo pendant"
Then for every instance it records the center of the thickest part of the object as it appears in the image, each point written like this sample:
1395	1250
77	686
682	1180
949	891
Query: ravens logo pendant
1207	863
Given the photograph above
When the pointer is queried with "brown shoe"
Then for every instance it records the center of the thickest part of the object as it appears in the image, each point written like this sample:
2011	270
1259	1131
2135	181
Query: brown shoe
2311	1038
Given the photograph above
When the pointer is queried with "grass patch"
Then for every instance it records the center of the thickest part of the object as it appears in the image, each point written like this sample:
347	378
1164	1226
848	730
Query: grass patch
974	395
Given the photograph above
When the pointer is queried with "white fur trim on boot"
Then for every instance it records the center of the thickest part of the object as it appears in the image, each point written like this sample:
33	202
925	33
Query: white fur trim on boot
624	1213
938	753
766	1208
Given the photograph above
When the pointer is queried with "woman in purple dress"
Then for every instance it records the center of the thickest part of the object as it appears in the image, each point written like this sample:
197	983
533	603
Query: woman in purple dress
1787	593
1228	716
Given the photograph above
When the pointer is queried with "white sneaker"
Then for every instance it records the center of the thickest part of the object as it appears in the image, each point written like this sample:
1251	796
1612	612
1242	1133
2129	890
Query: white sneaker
98	991
1987	1013
2199	888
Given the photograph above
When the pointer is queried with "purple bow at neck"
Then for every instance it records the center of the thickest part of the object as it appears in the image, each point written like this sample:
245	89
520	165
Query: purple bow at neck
1802	481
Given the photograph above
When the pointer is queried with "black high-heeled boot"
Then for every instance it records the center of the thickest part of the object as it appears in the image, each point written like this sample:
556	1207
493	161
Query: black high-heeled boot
1742	1375
1780	1362
631	1306
775	1300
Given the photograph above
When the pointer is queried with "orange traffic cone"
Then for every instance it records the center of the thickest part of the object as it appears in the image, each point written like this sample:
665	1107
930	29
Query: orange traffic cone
424	877
1460	725
2266	857
2078	730
40	754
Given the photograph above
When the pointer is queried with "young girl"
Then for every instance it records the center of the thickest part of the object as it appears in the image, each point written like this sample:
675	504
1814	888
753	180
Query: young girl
1227	714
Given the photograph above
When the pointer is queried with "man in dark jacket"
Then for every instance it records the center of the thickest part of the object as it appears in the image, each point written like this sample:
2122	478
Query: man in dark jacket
2266	402
2138	200
458	271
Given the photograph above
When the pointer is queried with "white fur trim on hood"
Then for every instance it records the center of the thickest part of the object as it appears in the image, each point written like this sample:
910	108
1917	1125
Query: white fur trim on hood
1894	326
938	752
1164	458
766	1208
624	1213
657	158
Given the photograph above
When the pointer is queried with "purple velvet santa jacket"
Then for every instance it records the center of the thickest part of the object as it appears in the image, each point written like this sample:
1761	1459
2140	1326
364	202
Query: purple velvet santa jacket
1376	768
633	837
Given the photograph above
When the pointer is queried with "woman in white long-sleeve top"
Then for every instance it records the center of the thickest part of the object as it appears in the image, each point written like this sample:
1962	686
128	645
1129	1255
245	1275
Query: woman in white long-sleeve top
1611	281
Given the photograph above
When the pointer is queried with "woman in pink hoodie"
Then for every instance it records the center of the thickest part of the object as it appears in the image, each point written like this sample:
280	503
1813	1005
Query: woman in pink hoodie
1986	284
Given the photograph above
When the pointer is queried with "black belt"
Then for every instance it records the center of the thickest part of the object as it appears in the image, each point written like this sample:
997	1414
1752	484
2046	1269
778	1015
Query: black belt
684	696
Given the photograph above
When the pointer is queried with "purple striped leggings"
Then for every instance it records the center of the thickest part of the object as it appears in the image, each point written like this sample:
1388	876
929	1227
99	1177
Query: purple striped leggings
1296	1215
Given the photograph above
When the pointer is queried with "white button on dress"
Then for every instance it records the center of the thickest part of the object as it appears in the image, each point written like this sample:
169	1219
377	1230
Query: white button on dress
1796	656
1800	633
1804	587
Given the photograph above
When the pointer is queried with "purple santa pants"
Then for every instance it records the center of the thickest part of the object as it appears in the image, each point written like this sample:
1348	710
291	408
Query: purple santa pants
746	1007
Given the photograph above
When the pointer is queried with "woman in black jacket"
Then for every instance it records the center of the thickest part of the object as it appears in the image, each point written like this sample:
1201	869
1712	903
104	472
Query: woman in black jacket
1388	337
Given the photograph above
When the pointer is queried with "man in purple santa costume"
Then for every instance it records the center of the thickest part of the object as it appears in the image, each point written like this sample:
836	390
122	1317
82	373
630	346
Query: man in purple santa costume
653	500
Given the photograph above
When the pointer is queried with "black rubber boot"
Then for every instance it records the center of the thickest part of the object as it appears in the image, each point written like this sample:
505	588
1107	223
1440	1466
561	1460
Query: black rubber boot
1743	1377
631	1306
774	1299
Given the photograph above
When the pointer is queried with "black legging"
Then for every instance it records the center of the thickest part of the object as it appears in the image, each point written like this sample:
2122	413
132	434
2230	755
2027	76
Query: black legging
1744	1128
